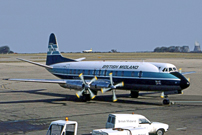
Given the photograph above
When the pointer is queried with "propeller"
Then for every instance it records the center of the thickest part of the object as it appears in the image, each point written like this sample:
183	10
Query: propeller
86	87
112	87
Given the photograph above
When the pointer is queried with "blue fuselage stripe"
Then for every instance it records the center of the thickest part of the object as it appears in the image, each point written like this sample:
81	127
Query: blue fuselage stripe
131	79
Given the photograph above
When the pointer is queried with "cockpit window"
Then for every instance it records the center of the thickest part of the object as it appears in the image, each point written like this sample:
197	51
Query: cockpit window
165	70
170	69
174	69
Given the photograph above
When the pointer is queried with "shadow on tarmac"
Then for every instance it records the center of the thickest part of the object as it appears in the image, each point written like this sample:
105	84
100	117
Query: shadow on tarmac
68	97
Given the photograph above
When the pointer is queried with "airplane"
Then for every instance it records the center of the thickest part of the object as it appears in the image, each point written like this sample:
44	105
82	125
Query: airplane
87	51
89	77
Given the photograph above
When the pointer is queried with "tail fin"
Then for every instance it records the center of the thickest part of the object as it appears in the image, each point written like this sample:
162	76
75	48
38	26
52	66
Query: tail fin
53	54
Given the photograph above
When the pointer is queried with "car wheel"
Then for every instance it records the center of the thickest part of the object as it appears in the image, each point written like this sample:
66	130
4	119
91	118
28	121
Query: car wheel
160	132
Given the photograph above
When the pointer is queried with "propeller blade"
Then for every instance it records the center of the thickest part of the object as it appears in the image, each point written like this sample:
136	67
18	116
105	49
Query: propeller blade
121	84
94	79
92	96
111	79
162	95
114	96
82	78
80	93
103	90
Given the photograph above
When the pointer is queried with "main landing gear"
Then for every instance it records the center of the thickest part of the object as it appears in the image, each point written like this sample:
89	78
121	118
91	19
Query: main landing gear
86	96
134	94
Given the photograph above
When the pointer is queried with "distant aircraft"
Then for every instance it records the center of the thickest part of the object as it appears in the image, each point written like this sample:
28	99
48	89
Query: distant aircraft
87	51
5	50
89	77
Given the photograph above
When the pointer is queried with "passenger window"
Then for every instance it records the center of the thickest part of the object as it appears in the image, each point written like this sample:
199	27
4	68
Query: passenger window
140	74
133	74
74	71
116	72
122	73
70	71
78	72
99	72
105	72
94	71
88	72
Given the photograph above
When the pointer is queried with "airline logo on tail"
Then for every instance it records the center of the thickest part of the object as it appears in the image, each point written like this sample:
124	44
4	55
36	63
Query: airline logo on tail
52	46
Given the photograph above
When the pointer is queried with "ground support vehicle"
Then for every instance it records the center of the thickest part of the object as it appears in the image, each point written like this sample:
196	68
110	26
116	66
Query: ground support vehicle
121	131
136	120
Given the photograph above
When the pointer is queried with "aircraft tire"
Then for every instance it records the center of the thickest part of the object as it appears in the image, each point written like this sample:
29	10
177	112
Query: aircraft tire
166	101
86	97
134	94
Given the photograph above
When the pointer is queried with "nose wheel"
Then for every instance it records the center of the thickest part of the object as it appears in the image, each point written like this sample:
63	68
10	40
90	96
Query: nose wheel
166	101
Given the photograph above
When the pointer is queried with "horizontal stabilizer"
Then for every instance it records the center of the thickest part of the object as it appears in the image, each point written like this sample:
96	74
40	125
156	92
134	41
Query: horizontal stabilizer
80	59
186	73
35	63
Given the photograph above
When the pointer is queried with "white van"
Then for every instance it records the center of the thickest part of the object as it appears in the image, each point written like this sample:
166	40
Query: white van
135	120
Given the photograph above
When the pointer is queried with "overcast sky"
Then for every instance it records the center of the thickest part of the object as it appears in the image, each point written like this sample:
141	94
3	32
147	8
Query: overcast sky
124	25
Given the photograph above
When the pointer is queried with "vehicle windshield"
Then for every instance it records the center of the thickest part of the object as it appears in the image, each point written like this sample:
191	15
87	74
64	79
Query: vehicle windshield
55	130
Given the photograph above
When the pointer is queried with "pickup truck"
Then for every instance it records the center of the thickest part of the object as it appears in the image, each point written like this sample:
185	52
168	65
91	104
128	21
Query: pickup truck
136	120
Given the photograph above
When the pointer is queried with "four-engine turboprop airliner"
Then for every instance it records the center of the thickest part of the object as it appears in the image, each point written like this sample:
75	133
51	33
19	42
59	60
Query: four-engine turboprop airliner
89	77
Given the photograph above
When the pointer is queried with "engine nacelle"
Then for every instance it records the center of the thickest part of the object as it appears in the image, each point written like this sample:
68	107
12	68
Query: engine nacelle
100	84
78	84
73	84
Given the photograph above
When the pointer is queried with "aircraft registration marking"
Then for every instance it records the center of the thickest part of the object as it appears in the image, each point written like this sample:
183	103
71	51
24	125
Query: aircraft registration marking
120	66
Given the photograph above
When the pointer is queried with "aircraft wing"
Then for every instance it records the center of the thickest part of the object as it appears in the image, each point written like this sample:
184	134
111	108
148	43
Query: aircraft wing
185	73
57	81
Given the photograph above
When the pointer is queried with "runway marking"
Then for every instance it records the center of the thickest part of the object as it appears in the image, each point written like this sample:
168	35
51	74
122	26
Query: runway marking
182	129
173	102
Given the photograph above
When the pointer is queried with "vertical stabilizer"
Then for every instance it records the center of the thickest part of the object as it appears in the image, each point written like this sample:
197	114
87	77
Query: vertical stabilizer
53	54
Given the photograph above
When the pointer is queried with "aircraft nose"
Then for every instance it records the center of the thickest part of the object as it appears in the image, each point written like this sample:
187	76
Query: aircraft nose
184	83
